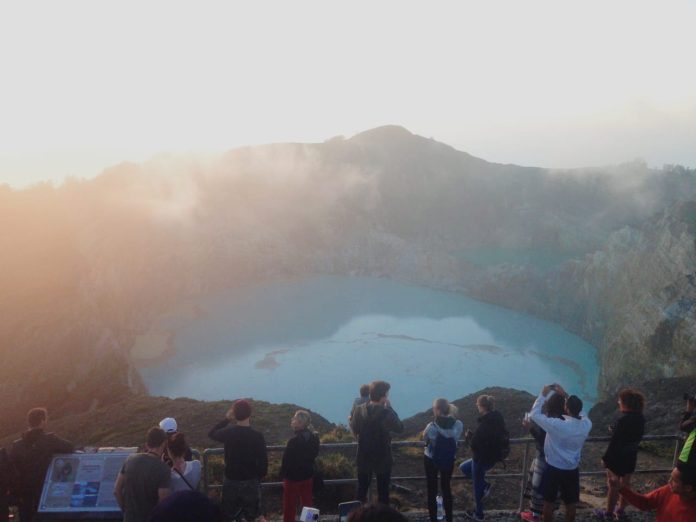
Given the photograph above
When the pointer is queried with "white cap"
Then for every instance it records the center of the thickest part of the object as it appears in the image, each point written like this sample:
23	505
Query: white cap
168	425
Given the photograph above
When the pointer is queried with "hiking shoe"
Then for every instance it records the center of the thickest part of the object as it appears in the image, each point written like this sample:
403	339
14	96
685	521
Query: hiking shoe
486	491
529	516
472	515
603	514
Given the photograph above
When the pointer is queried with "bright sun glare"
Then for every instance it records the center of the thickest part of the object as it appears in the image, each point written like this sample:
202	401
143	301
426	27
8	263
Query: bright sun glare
86	85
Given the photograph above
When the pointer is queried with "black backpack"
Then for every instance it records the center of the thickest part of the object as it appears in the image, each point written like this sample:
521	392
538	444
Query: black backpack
444	451
502	449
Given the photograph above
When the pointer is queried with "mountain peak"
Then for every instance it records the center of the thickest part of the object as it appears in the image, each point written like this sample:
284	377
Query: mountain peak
384	133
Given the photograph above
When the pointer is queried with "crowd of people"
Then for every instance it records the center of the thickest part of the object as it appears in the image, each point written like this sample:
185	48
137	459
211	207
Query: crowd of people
161	483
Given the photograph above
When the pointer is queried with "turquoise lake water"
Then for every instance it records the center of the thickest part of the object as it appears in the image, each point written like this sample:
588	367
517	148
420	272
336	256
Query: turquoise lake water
314	341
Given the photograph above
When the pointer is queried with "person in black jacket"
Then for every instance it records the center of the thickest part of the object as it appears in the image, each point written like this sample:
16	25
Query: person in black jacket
246	463
372	423
485	445
297	467
6	475
31	456
620	457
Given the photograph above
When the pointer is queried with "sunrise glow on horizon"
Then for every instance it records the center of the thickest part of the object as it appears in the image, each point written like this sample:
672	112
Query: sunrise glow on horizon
88	85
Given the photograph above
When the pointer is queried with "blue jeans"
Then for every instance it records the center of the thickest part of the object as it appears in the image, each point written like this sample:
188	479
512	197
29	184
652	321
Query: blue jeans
470	468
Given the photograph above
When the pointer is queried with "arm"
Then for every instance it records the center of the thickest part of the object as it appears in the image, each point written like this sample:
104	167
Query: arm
548	424
315	446
217	432
618	438
392	422
62	445
647	502
536	432
356	420
118	489
688	418
286	459
162	493
262	457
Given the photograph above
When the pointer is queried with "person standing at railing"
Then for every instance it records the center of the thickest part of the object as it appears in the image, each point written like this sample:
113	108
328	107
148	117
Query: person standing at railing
31	456
675	502
144	480
297	466
372	423
362	399
186	474
488	444
554	408
246	463
563	448
441	437
622	452
6	476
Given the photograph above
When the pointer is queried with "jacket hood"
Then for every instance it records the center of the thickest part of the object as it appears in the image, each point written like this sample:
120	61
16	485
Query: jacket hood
491	416
445	423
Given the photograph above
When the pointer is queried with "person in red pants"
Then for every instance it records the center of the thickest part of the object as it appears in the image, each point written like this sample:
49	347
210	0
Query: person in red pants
297	467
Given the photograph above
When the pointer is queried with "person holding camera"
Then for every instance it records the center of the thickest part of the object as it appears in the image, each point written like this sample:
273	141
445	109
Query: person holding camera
555	408
373	422
622	453
688	425
562	448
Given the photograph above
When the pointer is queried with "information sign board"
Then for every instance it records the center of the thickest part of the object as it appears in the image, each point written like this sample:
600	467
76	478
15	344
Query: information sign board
82	483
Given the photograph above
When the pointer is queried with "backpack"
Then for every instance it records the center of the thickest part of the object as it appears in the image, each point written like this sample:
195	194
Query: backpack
444	452
373	438
502	447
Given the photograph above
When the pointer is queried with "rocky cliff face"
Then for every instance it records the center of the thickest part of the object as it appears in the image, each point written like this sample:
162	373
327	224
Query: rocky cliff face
634	299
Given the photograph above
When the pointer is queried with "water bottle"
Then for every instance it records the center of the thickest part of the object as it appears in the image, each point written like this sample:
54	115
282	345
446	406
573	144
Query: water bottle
440	508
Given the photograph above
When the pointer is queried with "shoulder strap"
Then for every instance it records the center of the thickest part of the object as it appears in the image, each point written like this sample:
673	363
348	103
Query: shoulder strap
184	479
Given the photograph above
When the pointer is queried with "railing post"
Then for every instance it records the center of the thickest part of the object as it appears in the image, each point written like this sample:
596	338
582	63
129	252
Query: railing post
523	482
206	481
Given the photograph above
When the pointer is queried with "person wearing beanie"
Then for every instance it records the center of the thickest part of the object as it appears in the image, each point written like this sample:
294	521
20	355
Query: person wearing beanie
246	462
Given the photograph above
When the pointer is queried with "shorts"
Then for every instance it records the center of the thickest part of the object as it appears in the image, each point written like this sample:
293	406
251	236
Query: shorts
567	481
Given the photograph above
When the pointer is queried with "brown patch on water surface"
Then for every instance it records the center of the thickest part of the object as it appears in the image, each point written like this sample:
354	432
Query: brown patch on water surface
269	362
488	348
573	365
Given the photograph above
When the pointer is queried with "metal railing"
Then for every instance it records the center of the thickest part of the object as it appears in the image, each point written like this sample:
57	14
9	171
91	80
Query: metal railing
526	441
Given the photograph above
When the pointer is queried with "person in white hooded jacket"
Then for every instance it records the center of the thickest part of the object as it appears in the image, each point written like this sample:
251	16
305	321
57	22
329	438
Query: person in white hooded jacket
446	430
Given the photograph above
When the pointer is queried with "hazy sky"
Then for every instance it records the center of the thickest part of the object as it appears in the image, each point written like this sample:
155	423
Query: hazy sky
85	85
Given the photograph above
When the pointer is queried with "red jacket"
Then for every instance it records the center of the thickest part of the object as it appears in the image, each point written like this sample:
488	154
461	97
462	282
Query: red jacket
670	507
